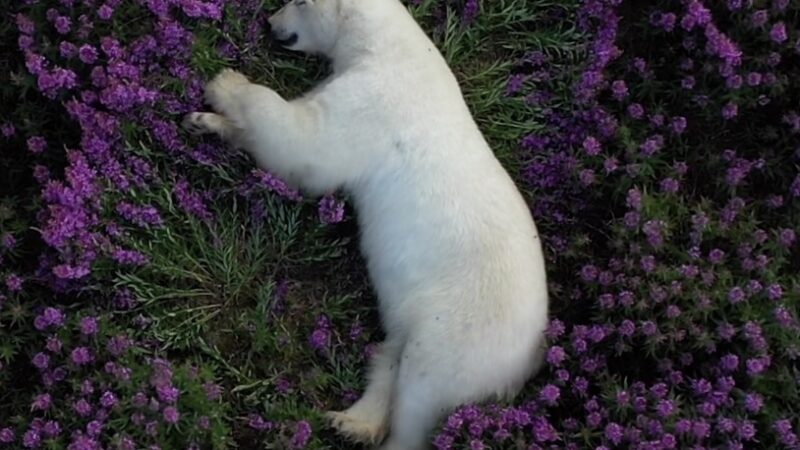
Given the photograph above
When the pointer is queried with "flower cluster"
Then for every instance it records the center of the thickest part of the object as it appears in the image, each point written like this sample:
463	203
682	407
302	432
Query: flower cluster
678	248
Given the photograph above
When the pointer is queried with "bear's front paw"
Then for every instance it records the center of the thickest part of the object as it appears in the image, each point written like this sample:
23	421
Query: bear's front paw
196	123
222	87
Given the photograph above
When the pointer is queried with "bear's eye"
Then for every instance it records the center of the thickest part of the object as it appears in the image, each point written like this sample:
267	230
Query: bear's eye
301	2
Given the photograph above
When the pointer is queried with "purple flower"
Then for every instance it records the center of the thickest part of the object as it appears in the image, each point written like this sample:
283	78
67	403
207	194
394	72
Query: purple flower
701	429
787	237
715	256
555	329
203	422
688	82
614	433
753	79
755	366
652	145
648	328
168	394
784	317
81	441
759	18
301	436
42	402
191	201
587	177
213	391
105	12
678	124
556	355
729	362
753	402
627	328
589	273
730	110
631	219
88	326
747	430
736	295
50	317
81	356
94	428
171	414
7	435
648	263
36	144
82	408
619	89
774	291
591	146
330	210
24	24
778	33
634	199
31	439
670	185
13	282
549	394
665	408
696	15
108	399
256	422
635	110
653	229
41	360
87	54
63	24
140	215
129	257
8	130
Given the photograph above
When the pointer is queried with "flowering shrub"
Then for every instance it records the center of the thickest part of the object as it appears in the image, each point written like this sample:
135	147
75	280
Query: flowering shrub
158	291
669	193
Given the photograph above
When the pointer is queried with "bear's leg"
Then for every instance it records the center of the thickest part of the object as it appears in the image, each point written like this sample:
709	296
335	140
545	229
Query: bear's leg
367	419
285	137
422	396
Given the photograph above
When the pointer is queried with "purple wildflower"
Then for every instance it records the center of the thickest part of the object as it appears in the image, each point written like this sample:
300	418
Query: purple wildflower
301	436
13	282
591	146
330	210
256	422
88	326
82	408
81	356
171	414
41	360
7	435
549	394
778	33
42	402
36	144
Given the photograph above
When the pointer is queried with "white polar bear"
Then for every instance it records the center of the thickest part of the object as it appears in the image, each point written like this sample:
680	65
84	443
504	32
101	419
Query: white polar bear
450	244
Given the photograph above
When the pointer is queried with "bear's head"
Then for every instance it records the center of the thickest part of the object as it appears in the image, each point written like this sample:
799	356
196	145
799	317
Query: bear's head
309	26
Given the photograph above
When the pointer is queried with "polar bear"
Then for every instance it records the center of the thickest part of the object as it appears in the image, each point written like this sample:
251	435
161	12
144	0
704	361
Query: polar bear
450	245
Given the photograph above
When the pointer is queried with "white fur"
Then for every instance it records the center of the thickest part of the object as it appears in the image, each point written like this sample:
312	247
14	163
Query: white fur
449	242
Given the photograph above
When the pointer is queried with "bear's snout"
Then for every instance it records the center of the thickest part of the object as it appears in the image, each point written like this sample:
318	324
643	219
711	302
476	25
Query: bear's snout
284	38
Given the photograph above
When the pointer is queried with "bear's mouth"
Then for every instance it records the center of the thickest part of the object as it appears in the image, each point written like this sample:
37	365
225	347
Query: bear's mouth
287	41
